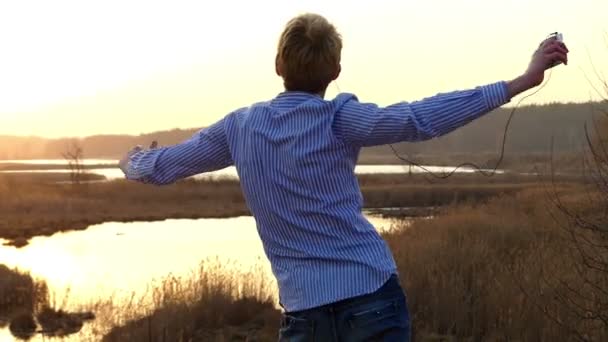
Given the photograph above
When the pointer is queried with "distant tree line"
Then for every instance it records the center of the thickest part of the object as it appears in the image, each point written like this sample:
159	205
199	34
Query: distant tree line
97	146
530	132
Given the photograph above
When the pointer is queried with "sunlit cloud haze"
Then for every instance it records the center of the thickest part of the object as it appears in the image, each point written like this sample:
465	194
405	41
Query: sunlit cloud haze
76	68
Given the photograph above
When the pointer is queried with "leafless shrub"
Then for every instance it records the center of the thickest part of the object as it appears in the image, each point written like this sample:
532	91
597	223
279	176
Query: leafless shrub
583	292
74	155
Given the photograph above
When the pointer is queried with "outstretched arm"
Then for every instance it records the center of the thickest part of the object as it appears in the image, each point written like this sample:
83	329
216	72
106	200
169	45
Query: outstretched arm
366	124
206	151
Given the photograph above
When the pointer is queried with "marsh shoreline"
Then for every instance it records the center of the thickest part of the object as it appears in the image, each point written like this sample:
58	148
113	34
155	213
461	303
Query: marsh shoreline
31	205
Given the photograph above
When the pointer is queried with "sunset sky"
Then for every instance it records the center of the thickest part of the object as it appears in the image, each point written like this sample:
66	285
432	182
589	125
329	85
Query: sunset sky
77	68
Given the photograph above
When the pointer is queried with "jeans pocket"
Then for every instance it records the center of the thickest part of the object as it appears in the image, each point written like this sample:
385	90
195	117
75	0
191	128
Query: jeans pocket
379	312
296	329
385	319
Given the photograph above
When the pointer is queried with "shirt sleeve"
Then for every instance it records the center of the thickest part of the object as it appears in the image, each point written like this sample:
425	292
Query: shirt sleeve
366	124
207	150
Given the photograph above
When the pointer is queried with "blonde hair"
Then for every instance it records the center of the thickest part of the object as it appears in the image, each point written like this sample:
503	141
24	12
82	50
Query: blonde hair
308	56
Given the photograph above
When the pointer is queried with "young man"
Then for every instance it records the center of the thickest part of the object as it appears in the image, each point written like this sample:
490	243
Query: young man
295	157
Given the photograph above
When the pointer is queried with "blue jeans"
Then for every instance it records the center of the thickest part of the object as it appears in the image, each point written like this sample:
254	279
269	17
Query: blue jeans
378	316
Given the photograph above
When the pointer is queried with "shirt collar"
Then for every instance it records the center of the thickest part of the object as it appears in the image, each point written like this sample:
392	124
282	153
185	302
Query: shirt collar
293	98
298	94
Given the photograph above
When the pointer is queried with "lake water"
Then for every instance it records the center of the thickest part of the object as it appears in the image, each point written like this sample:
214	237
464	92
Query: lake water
229	172
124	260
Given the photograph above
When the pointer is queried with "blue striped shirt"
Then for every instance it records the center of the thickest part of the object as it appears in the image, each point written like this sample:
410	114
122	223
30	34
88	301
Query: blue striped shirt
295	157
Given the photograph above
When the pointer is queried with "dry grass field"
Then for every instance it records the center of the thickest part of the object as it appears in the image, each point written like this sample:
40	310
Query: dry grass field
476	272
487	271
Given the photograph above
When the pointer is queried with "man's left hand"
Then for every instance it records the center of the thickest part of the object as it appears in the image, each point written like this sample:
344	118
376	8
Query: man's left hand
123	164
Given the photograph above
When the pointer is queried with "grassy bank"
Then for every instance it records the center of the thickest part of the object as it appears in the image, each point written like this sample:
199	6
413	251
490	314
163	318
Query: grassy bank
39	208
214	304
25	306
18	293
30	206
485	272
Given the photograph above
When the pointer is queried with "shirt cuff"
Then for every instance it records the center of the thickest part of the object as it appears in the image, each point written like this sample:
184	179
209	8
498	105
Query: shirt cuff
141	165
495	95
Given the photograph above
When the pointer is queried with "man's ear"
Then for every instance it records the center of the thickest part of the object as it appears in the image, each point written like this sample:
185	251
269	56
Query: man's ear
337	72
277	66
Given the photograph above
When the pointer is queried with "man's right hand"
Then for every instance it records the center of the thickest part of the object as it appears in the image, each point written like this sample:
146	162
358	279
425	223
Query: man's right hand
550	51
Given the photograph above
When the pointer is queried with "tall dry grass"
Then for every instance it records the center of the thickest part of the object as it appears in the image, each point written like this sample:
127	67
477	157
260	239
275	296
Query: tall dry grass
215	303
27	306
19	293
479	272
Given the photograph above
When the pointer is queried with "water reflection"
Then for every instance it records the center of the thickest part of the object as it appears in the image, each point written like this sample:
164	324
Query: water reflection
119	260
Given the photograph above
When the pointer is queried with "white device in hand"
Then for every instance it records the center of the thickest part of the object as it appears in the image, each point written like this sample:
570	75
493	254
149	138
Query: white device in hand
560	38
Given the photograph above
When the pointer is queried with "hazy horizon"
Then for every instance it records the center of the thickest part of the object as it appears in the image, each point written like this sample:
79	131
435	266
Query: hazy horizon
73	69
522	108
